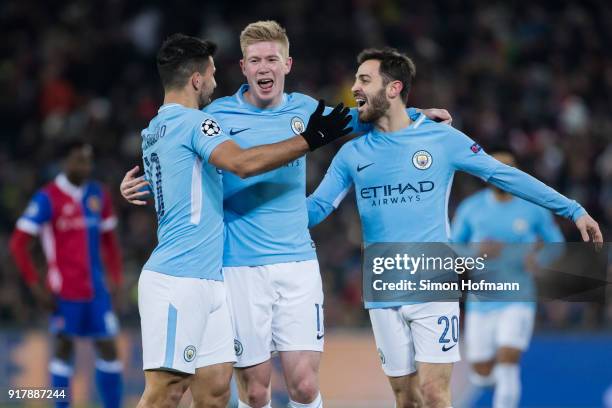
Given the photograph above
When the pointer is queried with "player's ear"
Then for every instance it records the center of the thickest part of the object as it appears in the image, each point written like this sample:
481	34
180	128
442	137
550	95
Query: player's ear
394	89
196	80
242	66
288	65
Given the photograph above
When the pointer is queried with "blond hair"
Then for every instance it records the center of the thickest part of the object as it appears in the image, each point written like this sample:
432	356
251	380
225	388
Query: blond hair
260	31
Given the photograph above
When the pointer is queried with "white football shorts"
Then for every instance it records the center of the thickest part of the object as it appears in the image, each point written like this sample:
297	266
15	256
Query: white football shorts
423	332
487	331
185	322
277	307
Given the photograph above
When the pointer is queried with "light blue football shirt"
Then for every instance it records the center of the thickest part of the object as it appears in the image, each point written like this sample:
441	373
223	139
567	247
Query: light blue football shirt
266	220
187	190
481	217
403	181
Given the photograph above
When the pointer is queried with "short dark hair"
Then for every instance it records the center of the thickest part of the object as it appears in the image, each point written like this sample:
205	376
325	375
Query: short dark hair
394	66
180	56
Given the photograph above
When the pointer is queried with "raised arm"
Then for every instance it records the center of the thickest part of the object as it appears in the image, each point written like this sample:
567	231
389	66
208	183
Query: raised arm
468	156
321	130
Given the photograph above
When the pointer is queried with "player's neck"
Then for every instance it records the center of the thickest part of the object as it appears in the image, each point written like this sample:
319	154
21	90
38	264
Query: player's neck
252	99
182	98
501	195
76	181
394	120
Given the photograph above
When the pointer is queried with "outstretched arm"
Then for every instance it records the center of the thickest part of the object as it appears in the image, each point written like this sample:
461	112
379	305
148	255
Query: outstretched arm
468	156
329	194
321	130
529	188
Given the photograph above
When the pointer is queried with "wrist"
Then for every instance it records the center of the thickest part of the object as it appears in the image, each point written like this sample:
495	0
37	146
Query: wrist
579	212
303	143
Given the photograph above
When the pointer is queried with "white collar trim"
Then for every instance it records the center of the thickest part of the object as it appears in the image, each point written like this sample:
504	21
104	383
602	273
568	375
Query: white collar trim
67	187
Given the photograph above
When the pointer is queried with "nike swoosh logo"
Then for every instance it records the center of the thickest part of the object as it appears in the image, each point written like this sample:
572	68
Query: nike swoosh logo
322	134
444	348
359	168
320	336
235	132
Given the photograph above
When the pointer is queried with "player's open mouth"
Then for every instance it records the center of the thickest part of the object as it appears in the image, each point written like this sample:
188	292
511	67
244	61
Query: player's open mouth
265	84
361	101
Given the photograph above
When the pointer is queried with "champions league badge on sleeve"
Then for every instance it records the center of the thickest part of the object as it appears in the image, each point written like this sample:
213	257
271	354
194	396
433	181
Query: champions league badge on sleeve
475	148
210	128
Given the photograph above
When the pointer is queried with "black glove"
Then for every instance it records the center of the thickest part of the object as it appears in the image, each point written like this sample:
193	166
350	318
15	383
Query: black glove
322	130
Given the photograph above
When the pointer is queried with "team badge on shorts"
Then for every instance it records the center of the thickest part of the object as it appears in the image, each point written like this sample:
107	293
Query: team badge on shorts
189	354
210	128
382	356
297	125
422	160
238	347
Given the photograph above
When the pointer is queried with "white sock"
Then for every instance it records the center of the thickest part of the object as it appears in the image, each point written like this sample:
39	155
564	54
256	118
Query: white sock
243	405
482	380
317	403
508	386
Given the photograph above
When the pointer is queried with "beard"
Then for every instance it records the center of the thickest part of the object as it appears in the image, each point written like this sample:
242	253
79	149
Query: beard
377	107
203	99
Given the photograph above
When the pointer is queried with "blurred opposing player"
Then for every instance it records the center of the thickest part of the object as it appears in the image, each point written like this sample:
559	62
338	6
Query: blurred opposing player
270	266
74	218
402	172
186	327
497	333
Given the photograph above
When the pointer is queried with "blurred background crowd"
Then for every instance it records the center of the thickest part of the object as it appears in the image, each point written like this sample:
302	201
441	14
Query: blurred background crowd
536	77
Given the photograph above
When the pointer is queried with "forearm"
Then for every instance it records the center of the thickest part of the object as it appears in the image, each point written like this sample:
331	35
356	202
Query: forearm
531	189
317	211
19	247
259	159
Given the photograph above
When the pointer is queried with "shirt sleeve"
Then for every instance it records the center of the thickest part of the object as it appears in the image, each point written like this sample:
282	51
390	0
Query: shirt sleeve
461	230
468	156
36	214
331	191
206	135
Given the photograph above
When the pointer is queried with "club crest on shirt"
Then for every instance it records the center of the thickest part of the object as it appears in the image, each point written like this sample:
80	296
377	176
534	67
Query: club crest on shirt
519	225
297	125
422	160
94	205
475	148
